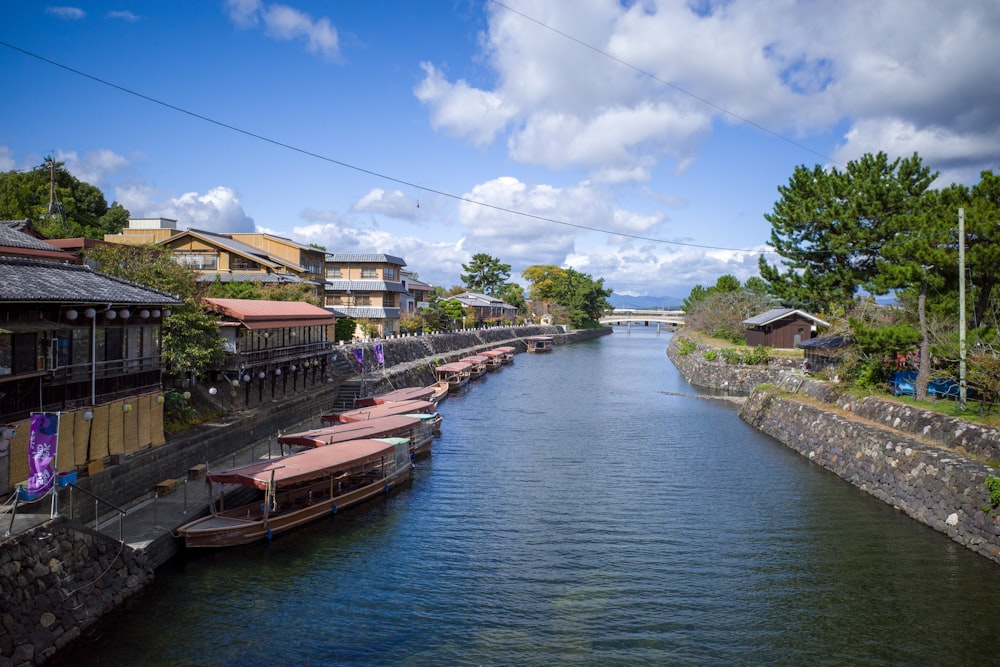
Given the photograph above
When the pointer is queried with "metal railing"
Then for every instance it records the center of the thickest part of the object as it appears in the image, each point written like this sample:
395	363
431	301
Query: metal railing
97	514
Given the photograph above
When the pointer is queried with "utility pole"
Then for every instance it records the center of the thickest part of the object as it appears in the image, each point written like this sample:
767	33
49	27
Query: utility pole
961	308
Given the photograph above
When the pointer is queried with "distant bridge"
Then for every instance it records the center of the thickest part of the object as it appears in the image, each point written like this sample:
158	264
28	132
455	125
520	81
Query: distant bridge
629	316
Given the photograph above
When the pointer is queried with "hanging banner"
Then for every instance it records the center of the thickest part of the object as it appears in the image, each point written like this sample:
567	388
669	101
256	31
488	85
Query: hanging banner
43	441
359	354
379	357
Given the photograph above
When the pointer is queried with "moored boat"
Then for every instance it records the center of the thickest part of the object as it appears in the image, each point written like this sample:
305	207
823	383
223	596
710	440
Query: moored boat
404	394
301	488
440	392
419	429
477	364
539	343
494	358
456	374
380	410
508	352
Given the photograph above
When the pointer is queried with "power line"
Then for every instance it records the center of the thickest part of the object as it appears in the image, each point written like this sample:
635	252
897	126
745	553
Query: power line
674	86
346	165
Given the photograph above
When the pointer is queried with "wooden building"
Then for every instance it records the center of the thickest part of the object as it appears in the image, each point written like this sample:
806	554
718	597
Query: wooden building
781	328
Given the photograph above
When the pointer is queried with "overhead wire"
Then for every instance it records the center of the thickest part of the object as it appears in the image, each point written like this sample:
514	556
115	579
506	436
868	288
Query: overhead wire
347	165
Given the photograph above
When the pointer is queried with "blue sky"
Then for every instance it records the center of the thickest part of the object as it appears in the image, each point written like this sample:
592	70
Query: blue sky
385	126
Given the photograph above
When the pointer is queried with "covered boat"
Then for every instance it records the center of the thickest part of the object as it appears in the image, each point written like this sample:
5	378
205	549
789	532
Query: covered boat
301	488
508	352
477	363
494	358
418	429
455	374
404	394
381	410
539	343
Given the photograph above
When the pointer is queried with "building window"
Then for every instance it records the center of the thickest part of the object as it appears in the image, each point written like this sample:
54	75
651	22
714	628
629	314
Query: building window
389	273
369	272
237	263
362	299
201	261
333	272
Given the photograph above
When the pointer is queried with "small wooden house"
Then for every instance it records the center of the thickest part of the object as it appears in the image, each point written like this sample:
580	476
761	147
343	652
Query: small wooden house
781	328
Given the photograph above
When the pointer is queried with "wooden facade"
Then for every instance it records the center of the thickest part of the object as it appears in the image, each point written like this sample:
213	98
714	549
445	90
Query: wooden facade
781	328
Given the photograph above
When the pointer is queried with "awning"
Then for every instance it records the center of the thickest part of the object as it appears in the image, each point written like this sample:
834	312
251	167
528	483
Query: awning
283	324
31	326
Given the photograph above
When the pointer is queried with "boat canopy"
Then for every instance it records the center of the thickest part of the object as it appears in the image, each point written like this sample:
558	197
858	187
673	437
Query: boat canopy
386	409
476	359
454	367
372	428
304	466
405	394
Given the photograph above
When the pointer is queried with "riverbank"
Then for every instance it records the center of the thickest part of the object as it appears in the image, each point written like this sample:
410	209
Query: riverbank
929	466
60	577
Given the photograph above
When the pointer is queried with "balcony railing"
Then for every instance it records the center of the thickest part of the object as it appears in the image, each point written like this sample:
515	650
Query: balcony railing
234	361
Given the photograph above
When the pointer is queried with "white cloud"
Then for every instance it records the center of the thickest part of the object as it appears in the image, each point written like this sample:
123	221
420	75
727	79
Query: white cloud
68	13
788	67
124	16
6	158
461	110
392	203
95	167
286	23
218	210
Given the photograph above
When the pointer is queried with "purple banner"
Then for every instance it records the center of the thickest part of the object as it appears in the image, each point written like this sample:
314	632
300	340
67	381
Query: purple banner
378	354
42	442
359	354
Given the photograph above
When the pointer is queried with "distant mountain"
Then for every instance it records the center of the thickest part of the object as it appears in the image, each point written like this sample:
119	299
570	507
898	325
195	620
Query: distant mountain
645	302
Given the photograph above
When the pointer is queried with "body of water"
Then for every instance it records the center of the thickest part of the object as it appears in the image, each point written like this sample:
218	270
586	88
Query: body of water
573	513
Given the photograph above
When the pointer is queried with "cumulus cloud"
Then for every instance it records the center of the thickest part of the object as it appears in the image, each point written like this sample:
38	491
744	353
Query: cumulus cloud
218	210
286	23
626	86
393	203
67	13
94	167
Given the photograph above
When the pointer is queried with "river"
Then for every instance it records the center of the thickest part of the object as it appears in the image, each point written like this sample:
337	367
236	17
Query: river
576	512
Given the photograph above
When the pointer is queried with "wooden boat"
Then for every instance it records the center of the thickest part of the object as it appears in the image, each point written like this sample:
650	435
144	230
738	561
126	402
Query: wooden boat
508	352
539	343
404	394
380	410
440	392
478	365
494	358
300	488
456	374
418	429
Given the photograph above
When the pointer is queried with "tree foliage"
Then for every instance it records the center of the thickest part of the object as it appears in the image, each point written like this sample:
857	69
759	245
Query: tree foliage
584	298
485	274
829	227
721	309
58	204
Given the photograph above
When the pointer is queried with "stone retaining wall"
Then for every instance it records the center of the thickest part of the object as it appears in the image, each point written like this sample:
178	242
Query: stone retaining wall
56	581
929	465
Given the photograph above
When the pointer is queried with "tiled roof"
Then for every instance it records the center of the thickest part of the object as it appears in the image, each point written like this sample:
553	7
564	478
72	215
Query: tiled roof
26	280
12	237
256	313
769	316
247	276
366	312
229	244
363	258
341	285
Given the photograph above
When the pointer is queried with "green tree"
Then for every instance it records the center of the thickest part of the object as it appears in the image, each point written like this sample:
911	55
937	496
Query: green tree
585	298
829	227
485	274
343	330
513	295
59	204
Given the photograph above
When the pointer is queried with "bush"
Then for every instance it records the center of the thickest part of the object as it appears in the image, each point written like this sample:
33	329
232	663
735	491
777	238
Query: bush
710	355
759	356
687	346
731	356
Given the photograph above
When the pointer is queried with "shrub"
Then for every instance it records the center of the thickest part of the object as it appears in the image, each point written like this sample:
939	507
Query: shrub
758	356
687	346
710	355
731	356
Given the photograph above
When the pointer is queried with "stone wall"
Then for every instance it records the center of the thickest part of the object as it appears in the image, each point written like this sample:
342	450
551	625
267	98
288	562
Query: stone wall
928	479
56	581
929	465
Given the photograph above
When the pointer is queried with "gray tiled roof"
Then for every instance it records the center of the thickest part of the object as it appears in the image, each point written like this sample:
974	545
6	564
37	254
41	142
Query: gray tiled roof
248	276
13	238
27	280
775	314
340	285
364	258
366	312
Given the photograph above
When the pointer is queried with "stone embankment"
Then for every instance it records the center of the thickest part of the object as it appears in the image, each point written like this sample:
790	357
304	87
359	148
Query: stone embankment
60	577
930	466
